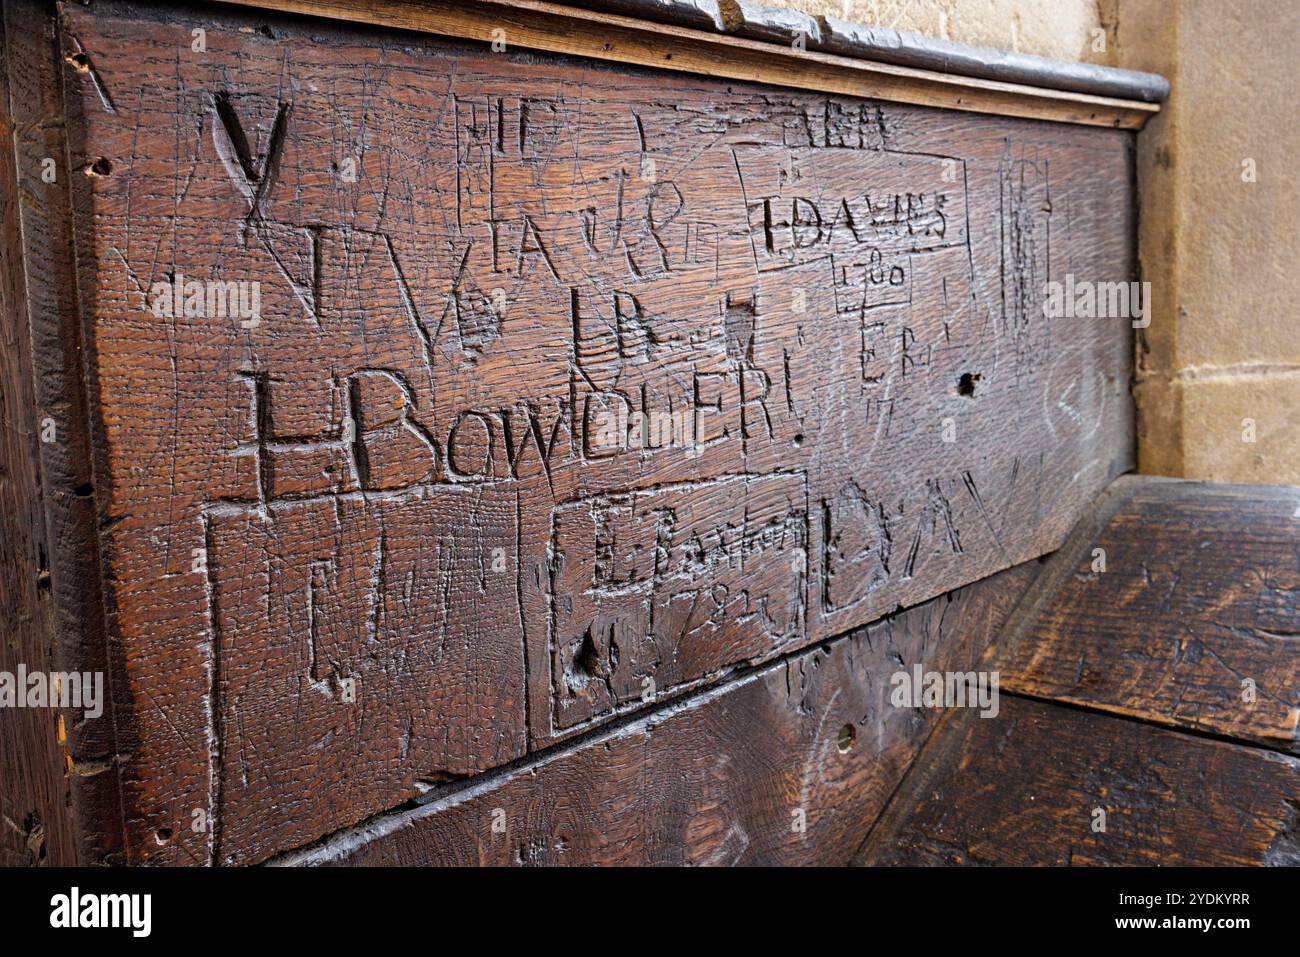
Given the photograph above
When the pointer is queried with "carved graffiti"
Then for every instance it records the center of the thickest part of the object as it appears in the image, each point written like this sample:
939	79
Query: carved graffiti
567	392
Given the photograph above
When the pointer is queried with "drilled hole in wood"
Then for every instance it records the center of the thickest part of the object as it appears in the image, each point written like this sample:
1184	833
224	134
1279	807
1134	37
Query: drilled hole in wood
966	384
163	835
848	735
101	167
587	661
80	61
585	665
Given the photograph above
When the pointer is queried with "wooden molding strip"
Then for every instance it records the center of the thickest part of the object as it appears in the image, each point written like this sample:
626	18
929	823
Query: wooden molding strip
549	27
827	34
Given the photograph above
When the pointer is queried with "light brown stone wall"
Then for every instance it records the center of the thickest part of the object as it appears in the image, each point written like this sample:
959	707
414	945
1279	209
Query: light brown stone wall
1217	174
1069	29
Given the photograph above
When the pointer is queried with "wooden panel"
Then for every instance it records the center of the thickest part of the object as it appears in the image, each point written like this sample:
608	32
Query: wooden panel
34	824
569	390
1189	615
58	767
1024	788
789	765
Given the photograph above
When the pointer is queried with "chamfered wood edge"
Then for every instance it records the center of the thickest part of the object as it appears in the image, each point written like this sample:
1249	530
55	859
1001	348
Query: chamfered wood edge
39	124
552	28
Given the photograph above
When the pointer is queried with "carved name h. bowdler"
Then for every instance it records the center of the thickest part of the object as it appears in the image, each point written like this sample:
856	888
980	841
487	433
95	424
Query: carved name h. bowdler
568	391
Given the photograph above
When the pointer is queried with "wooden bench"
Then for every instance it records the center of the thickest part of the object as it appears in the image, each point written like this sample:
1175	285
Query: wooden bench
1154	681
492	432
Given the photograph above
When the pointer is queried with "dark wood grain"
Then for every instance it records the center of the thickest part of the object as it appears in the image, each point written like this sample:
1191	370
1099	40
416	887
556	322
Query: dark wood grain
1193	620
573	390
35	827
788	765
46	472
1025	788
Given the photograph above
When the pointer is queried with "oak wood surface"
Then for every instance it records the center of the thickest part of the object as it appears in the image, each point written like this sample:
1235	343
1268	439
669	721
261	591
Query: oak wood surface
1026	788
573	390
555	28
63	765
788	765
1175	602
34	824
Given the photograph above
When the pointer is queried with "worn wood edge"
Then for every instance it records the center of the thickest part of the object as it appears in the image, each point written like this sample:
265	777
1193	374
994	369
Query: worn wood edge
933	53
35	820
337	845
548	27
1058	565
76	625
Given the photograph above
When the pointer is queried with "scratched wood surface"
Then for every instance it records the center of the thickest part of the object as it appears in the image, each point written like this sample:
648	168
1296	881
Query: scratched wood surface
788	765
569	390
34	825
1024	788
1174	602
58	781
